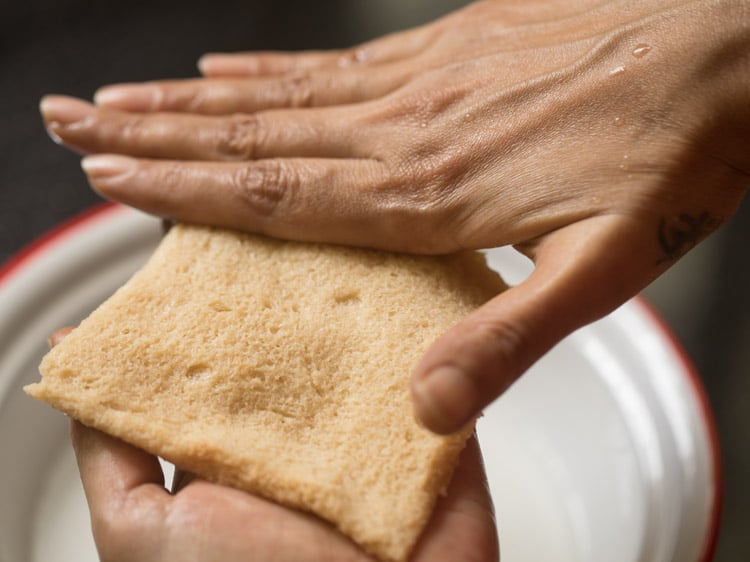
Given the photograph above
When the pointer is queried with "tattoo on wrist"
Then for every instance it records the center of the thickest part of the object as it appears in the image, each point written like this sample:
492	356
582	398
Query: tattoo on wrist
679	234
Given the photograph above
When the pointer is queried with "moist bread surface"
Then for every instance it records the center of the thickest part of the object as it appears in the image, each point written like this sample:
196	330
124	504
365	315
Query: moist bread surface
281	368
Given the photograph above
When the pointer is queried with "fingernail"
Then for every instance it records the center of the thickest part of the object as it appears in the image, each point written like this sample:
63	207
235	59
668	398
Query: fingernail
204	63
64	109
107	166
59	335
130	97
444	399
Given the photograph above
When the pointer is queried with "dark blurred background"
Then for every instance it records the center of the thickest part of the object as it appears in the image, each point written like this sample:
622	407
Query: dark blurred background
74	46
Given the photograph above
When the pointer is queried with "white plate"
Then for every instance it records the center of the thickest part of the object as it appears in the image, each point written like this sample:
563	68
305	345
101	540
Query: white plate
605	450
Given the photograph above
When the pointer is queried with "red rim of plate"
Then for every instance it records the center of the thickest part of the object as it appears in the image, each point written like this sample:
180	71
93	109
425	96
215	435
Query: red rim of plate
85	219
704	404
42	244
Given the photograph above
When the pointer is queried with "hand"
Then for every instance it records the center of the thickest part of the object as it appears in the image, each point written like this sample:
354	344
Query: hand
135	518
602	139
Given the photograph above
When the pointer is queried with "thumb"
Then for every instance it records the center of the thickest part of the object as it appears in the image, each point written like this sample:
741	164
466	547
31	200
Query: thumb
582	272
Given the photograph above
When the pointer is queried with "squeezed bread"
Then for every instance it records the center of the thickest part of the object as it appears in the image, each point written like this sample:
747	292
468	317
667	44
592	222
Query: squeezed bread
281	368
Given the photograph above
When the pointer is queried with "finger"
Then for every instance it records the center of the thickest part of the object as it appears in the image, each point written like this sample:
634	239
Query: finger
58	336
110	469
306	133
390	48
124	489
582	272
466	511
322	200
220	96
265	63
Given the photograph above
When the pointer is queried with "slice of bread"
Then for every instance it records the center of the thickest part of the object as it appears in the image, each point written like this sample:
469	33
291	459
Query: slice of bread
281	368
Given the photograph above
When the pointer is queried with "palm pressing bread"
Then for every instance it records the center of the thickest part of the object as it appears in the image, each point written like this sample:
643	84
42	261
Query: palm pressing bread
281	368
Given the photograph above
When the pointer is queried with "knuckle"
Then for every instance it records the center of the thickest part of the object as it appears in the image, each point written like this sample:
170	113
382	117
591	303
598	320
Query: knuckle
132	129
356	55
113	535
160	97
240	138
437	173
119	527
181	97
108	130
404	208
423	196
263	186
420	104
297	90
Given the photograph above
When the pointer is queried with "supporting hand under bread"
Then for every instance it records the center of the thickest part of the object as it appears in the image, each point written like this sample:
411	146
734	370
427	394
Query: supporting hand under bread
135	518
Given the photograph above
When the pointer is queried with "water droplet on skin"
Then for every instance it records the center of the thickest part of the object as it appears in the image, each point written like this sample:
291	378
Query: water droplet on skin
623	165
641	50
617	70
423	124
619	121
354	57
